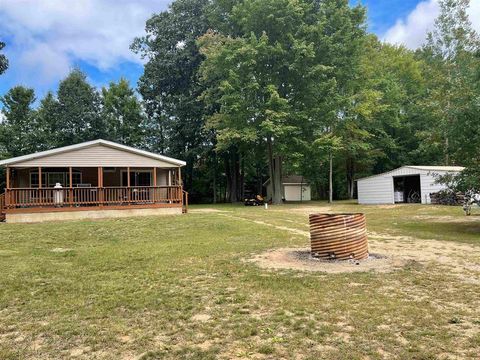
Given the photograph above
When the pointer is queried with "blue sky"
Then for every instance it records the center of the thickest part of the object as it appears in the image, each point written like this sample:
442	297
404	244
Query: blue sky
46	39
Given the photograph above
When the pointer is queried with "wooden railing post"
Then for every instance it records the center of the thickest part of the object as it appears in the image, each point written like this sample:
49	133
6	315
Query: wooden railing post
40	184
128	185
100	186
7	190
70	196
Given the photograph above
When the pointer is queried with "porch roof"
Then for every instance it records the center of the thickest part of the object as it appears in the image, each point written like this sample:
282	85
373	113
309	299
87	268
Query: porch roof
94	153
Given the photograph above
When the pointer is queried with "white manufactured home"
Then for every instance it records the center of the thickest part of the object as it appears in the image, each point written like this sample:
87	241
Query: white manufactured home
407	184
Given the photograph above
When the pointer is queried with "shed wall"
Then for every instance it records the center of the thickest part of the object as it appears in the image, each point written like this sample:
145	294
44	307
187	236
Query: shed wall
294	192
379	189
376	190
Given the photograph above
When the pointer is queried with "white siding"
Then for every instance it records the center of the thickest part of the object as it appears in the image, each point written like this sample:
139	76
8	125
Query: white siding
293	193
93	156
428	186
379	189
376	190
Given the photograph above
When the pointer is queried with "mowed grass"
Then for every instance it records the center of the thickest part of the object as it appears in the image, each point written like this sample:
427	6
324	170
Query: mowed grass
178	287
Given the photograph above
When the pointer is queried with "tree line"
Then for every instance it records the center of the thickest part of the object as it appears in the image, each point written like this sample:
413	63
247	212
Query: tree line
250	90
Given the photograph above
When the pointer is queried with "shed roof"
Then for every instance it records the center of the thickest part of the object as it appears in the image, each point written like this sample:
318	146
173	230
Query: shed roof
291	179
420	168
110	144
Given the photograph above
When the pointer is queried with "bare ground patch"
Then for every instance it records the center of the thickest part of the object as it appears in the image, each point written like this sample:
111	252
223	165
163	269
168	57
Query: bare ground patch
300	259
393	252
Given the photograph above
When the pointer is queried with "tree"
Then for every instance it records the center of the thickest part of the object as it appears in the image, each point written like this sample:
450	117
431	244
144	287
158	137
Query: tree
78	111
18	130
3	60
450	53
285	78
123	114
169	84
49	123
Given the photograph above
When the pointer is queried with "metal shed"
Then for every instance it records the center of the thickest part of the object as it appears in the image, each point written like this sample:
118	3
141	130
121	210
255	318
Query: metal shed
403	185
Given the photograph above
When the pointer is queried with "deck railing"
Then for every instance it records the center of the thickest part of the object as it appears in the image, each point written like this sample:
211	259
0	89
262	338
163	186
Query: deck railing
92	196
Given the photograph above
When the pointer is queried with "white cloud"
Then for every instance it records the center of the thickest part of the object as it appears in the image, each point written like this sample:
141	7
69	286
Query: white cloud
412	31
46	38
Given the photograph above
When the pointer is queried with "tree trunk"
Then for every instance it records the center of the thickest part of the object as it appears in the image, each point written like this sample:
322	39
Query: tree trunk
275	168
278	194
330	179
447	157
214	184
350	177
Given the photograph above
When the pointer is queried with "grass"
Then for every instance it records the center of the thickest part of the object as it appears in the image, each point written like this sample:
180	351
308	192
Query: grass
177	287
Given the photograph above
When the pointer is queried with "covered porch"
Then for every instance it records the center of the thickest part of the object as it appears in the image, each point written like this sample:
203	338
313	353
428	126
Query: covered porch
72	186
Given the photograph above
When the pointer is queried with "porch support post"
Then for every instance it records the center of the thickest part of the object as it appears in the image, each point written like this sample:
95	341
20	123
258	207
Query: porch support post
70	175
100	186
154	190
7	193
40	184
8	178
128	185
180	194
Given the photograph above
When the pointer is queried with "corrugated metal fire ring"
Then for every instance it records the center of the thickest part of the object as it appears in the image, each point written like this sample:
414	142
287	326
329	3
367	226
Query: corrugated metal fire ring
338	236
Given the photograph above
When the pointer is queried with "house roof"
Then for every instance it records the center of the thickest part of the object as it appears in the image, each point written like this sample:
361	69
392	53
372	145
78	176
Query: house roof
87	144
421	168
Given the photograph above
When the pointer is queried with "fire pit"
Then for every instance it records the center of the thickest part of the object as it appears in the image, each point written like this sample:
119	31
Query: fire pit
338	236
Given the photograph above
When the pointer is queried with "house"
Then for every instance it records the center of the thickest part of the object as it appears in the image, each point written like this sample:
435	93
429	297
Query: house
407	184
94	179
294	188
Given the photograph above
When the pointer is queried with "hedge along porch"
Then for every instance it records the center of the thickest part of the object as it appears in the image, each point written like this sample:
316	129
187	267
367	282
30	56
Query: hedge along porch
91	180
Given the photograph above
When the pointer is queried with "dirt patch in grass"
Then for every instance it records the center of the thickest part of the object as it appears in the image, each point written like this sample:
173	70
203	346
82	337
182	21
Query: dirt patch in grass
389	253
300	259
206	211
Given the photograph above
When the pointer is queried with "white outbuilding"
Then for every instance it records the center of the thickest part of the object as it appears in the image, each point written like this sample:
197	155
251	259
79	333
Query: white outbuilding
294	188
407	184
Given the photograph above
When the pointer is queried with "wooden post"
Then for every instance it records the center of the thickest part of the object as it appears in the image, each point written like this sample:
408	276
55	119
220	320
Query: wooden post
128	185
8	178
70	175
7	192
40	184
100	186
179	176
154	190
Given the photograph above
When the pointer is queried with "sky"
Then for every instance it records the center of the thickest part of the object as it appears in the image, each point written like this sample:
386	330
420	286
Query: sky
45	39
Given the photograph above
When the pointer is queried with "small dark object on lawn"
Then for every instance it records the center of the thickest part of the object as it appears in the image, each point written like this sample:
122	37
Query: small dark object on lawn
254	201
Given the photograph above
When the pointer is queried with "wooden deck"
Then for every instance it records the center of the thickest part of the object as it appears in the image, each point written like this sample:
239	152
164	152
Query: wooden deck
29	200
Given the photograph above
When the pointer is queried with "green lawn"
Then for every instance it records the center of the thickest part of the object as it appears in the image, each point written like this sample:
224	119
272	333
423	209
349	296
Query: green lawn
178	287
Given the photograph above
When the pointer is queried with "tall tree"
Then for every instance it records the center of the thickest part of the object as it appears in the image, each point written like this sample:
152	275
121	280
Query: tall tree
78	110
450	53
169	84
123	114
18	130
3	60
280	81
49	123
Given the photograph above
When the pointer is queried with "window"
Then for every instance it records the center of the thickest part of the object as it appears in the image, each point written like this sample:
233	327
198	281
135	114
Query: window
137	178
34	179
49	179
